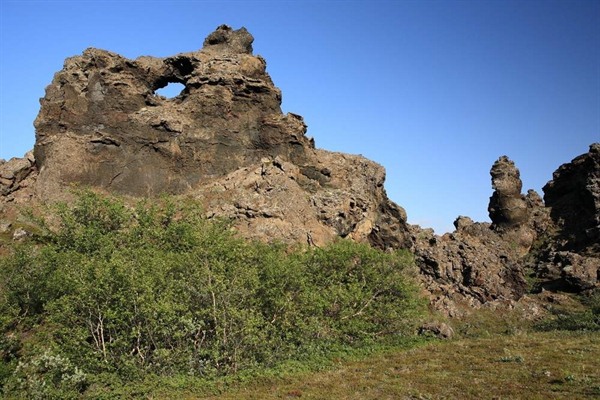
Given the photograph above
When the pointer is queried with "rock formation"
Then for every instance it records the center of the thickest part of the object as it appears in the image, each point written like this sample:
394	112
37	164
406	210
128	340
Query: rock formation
507	206
569	258
17	177
574	197
102	114
224	141
468	268
482	263
514	216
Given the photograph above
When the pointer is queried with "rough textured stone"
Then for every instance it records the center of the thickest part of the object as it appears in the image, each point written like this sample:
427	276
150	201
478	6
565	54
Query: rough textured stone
569	258
438	329
225	141
507	206
468	268
574	196
102	116
16	179
278	201
517	218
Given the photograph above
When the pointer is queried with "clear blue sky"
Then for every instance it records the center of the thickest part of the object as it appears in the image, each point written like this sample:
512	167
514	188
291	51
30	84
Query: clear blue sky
435	91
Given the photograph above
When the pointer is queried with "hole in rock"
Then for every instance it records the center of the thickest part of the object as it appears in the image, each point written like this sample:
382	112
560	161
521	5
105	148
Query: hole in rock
173	89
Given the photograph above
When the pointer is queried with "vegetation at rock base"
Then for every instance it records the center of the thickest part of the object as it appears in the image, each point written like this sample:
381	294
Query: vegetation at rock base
103	294
521	364
109	300
583	318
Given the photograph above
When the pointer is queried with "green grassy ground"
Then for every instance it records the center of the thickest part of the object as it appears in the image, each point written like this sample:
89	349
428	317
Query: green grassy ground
525	365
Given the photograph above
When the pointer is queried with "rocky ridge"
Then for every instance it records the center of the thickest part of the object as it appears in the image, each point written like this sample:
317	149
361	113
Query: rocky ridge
225	141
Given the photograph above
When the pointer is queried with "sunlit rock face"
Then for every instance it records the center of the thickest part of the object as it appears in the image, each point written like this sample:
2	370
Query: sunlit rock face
225	142
102	124
223	139
507	206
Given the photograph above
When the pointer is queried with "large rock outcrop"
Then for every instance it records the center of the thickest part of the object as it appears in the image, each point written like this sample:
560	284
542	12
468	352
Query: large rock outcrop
574	197
480	263
518	218
102	124
468	268
507	207
569	258
223	140
557	241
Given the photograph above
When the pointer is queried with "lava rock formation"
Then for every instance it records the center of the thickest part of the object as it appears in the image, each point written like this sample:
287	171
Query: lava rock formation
225	141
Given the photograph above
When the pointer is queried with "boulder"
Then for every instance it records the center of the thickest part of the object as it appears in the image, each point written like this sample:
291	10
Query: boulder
441	330
16	178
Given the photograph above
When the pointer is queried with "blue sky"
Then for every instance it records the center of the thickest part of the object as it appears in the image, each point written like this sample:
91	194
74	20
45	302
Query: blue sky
435	91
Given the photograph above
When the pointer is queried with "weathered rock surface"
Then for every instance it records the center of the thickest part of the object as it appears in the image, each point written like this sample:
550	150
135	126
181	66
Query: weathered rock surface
569	258
574	196
507	206
17	177
481	263
468	268
225	141
278	200
102	124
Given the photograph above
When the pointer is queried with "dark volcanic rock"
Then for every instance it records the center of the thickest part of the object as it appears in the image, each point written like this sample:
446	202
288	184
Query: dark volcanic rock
481	263
517	218
223	140
102	124
574	196
472	266
570	256
17	176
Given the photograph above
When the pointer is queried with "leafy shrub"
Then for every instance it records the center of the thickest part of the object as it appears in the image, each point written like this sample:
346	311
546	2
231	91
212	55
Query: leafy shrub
157	288
47	376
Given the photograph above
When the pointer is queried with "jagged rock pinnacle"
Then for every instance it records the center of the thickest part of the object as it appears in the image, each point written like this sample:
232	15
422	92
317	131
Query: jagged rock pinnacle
227	40
507	206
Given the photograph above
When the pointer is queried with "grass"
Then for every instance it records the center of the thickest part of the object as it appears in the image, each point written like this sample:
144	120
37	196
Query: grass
493	357
540	365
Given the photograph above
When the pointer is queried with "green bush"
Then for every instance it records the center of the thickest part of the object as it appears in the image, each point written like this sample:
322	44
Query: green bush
47	376
156	288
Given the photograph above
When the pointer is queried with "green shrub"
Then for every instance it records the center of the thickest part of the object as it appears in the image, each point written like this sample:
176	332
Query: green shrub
47	376
156	288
